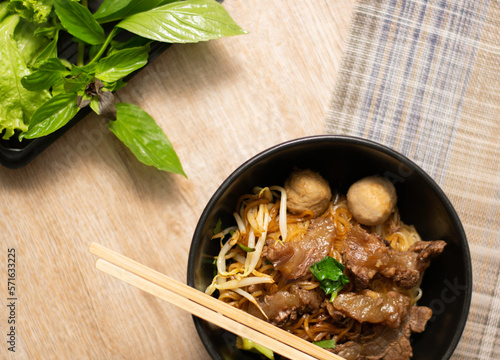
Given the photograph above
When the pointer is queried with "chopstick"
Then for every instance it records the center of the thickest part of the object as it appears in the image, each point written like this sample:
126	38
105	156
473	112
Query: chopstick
199	310
207	307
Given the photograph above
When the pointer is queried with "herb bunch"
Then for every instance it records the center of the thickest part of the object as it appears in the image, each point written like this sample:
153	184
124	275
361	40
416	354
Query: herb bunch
42	91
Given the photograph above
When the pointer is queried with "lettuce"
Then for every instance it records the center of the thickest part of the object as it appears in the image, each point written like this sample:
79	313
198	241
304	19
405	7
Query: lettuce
17	104
34	11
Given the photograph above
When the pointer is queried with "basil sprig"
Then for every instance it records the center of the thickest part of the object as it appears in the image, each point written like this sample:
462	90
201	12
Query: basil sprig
103	61
330	274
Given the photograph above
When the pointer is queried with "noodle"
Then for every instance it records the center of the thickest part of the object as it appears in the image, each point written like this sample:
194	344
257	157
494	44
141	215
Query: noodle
250	277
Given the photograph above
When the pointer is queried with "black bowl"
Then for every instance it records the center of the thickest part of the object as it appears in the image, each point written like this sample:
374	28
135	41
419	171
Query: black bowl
447	284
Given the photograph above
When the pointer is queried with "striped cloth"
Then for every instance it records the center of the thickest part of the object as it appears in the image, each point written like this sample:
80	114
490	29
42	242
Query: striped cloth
423	77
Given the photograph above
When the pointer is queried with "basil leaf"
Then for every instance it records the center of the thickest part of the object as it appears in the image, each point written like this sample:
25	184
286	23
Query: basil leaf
88	69
94	104
121	63
77	83
49	72
79	22
52	115
115	86
50	51
329	272
111	10
326	344
47	31
147	141
134	41
57	89
183	22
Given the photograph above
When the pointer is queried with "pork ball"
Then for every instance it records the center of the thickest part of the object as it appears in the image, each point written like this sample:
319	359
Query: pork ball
307	190
371	200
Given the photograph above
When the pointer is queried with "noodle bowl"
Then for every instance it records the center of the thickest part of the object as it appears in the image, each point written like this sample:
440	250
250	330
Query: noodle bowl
421	203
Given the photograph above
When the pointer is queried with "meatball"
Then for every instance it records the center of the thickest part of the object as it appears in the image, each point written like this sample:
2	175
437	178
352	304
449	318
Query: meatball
307	190
371	200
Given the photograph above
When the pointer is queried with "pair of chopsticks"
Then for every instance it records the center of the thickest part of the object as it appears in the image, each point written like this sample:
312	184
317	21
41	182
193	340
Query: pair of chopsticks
207	307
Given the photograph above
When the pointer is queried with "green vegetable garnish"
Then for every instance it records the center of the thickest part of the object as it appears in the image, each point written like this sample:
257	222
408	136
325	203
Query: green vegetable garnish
249	345
41	92
36	11
326	344
137	129
330	274
246	248
218	227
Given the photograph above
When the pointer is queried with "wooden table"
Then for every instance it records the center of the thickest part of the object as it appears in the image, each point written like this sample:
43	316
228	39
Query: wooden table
219	103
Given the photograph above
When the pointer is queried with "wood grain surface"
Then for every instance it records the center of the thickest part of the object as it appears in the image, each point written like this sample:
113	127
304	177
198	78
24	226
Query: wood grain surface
220	103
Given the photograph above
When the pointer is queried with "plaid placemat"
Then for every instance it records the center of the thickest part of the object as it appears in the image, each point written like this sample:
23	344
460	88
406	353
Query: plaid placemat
423	77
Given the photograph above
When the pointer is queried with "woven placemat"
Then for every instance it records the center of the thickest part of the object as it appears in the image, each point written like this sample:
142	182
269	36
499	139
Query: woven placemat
423	77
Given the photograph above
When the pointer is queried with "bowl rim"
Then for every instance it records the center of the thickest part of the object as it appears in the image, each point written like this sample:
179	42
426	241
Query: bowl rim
347	139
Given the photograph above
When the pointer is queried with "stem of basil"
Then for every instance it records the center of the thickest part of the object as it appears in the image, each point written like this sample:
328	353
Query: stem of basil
105	45
80	54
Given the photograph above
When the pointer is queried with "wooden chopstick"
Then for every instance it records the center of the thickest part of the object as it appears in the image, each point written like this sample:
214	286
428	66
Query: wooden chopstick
199	310
207	307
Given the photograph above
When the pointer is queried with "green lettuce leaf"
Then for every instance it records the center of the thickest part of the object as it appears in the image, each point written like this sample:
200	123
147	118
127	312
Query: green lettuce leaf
147	141
17	104
183	22
4	8
29	46
34	11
